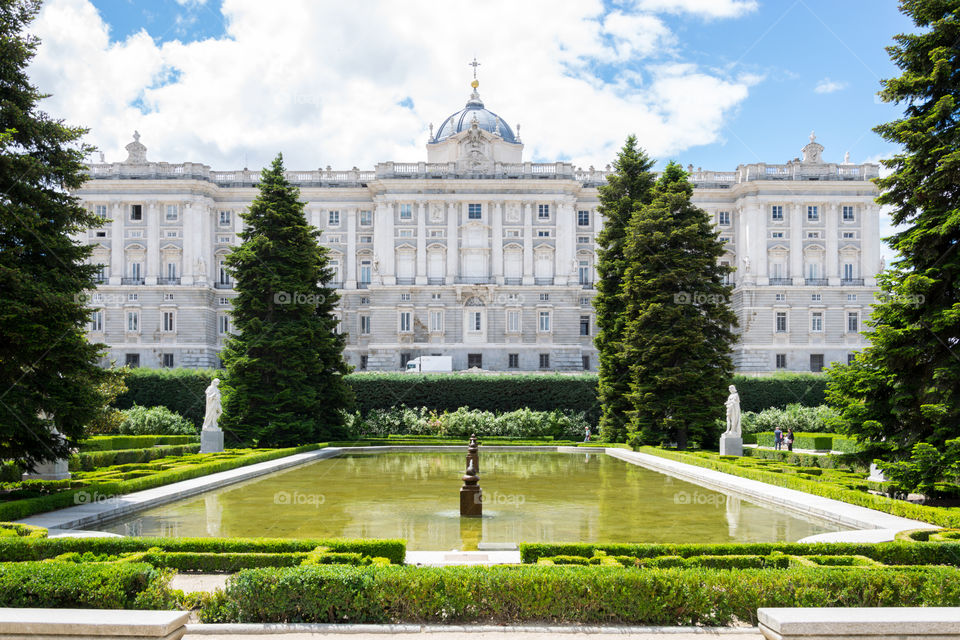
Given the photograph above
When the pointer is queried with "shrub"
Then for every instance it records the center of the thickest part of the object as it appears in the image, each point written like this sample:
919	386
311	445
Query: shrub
523	423
27	549
811	441
564	594
159	420
77	585
182	391
794	416
98	459
17	530
115	443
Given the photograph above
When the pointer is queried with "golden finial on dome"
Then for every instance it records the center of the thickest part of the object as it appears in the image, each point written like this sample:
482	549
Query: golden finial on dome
474	64
475	84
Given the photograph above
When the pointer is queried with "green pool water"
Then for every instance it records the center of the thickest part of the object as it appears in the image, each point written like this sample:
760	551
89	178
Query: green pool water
529	497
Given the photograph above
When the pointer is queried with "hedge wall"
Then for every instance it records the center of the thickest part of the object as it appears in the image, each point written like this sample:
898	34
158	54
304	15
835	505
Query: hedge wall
182	390
88	461
58	585
564	594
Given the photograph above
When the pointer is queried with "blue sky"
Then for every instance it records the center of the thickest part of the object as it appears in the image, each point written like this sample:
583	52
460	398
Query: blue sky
713	83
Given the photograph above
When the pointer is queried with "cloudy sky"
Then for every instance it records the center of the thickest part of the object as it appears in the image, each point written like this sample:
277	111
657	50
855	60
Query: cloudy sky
229	83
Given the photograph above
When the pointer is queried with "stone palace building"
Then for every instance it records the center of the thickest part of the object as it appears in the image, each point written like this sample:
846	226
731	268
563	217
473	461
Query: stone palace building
477	254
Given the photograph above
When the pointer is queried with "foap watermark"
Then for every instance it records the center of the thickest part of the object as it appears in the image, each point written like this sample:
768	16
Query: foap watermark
712	499
93	497
501	499
295	498
906	299
296	297
698	297
296	98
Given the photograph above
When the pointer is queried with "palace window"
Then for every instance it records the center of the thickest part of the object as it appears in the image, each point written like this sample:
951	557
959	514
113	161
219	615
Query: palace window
848	215
168	323
776	212
723	217
366	217
813	213
224	324
543	325
406	211
544	360
781	361
544	297
474	211
132	359
543	211
585	325
513	360
224	218
513	321
816	362
333	218
133	321
436	321
96	320
853	321
583	218
816	322
781	325
404	322
136	212
364	325
167	361
543	233
173	213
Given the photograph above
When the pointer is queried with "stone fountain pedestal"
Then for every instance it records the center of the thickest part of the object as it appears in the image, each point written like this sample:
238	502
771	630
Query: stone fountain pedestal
211	441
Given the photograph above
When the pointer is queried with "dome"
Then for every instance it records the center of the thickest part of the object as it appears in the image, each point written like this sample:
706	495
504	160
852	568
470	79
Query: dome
487	120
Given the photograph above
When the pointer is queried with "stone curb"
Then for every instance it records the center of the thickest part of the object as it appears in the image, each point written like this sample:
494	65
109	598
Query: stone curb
277	628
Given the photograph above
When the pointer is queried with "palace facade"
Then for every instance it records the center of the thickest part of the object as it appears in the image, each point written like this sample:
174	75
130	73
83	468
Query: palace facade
477	254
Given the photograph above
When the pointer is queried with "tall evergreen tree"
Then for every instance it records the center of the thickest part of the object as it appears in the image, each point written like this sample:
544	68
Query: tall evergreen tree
285	366
678	337
624	192
49	376
904	388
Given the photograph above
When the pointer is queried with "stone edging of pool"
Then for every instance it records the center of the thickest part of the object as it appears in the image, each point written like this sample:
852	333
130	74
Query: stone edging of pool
879	525
389	630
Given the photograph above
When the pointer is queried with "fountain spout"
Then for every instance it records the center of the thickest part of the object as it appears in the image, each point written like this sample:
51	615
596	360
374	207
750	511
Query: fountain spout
473	453
471	496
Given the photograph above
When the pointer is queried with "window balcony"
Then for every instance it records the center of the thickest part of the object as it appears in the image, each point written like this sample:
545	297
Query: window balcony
335	284
406	281
816	282
781	282
223	285
131	280
543	281
168	280
473	279
435	281
586	285
852	282
513	282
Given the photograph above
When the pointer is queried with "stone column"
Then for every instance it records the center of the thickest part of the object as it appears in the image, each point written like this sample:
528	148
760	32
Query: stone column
188	224
383	245
204	247
496	254
527	243
116	244
831	241
870	245
453	243
421	272
350	277
565	253
796	244
152	240
755	230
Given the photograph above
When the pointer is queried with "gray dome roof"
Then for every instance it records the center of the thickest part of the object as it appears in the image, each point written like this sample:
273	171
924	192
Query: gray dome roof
487	120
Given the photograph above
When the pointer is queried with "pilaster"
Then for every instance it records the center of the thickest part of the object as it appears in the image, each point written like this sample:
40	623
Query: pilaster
116	244
421	270
350	277
831	241
796	244
152	241
496	255
453	243
527	243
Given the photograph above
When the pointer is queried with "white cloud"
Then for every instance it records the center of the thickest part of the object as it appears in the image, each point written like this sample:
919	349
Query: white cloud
829	86
704	8
323	82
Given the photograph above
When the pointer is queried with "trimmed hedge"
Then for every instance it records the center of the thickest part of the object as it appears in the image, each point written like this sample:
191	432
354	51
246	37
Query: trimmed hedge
17	530
812	441
117	443
22	508
27	549
890	553
590	595
97	459
182	390
934	515
76	585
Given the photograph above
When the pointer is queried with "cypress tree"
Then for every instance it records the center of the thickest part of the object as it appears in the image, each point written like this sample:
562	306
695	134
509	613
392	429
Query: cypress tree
678	337
904	388
49	376
285	367
624	192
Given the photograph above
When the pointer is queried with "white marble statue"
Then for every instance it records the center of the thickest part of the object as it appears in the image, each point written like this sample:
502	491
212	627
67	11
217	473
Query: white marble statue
733	413
213	406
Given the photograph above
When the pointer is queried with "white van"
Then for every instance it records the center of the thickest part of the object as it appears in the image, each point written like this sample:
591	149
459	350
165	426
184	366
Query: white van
430	364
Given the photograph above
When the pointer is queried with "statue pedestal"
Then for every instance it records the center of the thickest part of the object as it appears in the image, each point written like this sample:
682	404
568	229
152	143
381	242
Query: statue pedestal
876	475
54	470
471	502
211	441
731	445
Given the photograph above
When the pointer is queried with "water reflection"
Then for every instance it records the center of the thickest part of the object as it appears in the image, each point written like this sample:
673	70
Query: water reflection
528	497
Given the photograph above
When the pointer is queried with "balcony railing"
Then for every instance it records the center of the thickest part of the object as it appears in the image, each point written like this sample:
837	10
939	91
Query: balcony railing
168	280
816	282
131	280
781	282
223	285
473	279
435	281
586	285
513	281
543	281
363	285
852	282
407	281
336	284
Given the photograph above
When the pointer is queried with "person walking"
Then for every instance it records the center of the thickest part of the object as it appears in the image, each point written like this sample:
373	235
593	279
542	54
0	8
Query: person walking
777	438
790	440
586	433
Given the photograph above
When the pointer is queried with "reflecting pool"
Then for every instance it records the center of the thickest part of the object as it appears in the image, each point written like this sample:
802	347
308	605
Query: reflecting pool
528	497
